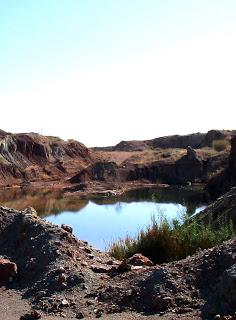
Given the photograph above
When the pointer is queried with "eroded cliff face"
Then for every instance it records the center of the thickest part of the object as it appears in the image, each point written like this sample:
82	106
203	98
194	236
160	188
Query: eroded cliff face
226	179
32	157
188	168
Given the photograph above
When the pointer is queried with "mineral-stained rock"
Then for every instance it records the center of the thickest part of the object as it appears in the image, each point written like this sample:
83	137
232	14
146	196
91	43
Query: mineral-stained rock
100	268
139	260
32	157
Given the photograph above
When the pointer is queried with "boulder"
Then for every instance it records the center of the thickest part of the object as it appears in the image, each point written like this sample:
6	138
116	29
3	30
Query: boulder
8	270
100	171
189	168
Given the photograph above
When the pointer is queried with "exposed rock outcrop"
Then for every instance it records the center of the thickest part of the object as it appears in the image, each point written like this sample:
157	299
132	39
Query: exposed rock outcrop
222	208
226	179
100	171
189	168
31	157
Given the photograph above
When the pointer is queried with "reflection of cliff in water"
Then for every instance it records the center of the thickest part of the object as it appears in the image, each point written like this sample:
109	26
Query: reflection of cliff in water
190	197
48	202
45	202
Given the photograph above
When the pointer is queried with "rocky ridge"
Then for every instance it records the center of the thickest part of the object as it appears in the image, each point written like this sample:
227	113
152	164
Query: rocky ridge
26	158
194	140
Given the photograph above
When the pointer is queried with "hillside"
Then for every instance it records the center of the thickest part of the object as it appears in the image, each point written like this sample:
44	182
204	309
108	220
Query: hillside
194	140
30	157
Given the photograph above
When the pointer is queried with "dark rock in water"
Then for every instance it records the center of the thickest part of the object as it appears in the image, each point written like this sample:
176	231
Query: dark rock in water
8	270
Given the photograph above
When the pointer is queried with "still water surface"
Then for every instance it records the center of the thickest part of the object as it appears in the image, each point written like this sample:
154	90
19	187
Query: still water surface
100	221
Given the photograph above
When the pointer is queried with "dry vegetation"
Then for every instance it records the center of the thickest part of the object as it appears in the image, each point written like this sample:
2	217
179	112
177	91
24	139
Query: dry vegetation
166	240
147	156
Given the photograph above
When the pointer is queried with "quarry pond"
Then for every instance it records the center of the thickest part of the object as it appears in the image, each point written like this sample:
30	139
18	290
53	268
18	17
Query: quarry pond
102	220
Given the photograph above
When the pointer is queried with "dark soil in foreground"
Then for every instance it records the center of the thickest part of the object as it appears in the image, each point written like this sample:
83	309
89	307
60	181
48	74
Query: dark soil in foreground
60	276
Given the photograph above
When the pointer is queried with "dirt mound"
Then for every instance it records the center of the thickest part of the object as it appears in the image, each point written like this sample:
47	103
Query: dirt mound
59	274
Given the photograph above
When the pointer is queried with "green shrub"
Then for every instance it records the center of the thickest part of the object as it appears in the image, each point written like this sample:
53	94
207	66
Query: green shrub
220	145
165	241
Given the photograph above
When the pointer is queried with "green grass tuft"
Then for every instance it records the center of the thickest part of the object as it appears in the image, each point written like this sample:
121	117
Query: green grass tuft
166	240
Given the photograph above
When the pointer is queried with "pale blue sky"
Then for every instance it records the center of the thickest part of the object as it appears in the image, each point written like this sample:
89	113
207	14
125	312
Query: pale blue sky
105	70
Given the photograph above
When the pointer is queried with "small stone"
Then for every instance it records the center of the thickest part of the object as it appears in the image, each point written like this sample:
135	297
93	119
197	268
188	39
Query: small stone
40	294
67	228
98	313
65	303
136	268
87	250
79	315
60	270
123	266
100	269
